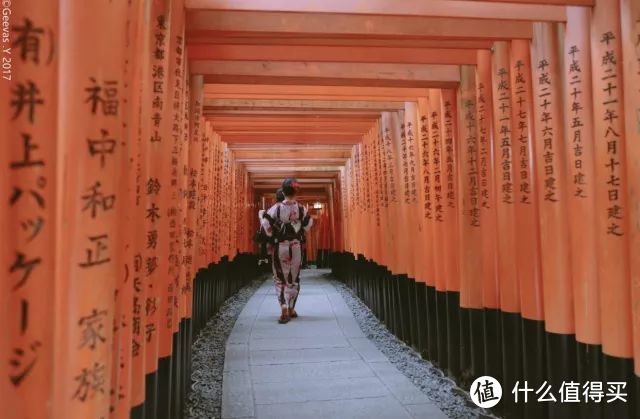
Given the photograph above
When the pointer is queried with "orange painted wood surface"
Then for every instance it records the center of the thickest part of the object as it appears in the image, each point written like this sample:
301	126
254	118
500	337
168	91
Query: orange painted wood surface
470	219
29	145
630	30
487	180
526	201
436	130
427	243
505	178
612	210
551	174
90	152
581	194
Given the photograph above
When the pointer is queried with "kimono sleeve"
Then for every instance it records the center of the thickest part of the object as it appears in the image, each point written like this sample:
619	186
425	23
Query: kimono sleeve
264	223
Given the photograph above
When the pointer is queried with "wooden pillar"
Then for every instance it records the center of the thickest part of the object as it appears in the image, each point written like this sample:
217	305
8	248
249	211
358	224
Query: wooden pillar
384	192
459	359
426	195
612	210
579	149
140	129
410	186
527	189
505	216
389	123
630	26
29	144
90	140
439	205
195	157
470	240
428	245
486	174
156	180
122	385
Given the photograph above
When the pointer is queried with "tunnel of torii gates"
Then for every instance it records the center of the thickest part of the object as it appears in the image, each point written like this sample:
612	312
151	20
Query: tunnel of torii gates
477	164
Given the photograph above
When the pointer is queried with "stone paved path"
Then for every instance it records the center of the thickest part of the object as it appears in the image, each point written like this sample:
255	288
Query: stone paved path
319	365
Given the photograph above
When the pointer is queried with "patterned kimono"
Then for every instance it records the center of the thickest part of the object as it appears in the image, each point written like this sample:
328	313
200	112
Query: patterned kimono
287	254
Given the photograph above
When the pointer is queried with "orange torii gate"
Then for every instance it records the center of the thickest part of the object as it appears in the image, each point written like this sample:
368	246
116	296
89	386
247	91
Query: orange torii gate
487	208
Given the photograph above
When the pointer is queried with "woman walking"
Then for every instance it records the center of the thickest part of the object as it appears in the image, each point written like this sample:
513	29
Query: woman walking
287	221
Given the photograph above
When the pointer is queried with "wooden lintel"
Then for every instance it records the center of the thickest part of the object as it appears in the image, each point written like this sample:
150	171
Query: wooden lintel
221	91
326	81
301	104
311	147
294	138
300	169
430	8
284	112
337	54
204	37
336	74
544	2
233	23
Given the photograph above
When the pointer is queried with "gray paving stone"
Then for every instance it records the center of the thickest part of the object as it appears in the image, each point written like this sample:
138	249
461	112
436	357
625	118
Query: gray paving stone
401	387
310	371
300	330
237	395
365	408
236	357
293	356
425	411
298	343
313	390
367	350
318	365
350	328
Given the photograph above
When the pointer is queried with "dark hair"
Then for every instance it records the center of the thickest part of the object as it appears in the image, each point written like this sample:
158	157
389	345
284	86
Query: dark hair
279	195
290	187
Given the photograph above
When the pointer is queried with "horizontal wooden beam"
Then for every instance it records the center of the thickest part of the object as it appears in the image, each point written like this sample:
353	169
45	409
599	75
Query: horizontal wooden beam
256	157
260	162
430	8
296	170
204	37
262	180
337	54
214	112
232	23
327	128
292	131
260	120
363	74
295	138
278	104
325	81
289	147
251	124
310	92
543	2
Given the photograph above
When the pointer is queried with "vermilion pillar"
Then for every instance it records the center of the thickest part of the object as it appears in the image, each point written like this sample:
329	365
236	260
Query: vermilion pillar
486	175
29	144
469	224
630	26
612	210
90	141
579	149
505	216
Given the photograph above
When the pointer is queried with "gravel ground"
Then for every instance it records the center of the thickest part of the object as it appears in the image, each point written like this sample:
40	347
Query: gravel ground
451	399
208	356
